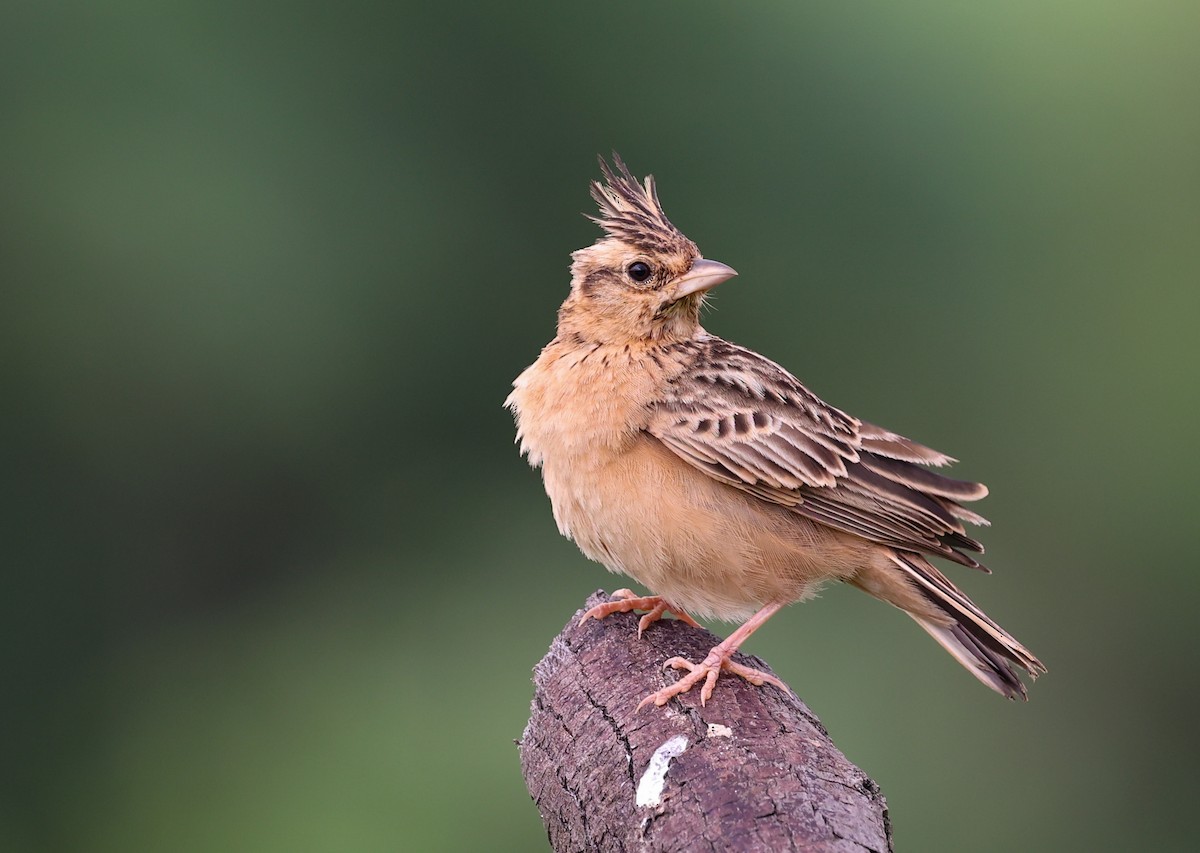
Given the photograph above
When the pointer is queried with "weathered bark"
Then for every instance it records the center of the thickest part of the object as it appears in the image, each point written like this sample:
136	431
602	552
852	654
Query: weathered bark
757	772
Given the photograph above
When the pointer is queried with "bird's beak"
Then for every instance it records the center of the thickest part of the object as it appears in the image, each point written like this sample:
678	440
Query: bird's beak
704	275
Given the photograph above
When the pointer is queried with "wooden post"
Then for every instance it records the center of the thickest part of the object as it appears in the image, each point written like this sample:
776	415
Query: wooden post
753	770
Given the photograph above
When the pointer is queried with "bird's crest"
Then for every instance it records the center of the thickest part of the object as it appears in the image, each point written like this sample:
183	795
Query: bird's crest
630	211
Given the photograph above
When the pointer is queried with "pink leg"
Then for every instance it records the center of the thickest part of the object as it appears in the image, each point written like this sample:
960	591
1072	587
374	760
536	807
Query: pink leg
718	661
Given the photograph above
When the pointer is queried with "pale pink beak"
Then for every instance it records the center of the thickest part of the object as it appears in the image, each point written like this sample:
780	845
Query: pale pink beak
704	275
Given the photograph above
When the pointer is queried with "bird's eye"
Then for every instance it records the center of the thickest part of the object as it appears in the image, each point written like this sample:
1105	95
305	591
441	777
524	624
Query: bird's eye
638	271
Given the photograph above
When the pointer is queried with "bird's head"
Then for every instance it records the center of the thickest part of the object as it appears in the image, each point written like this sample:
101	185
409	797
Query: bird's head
644	280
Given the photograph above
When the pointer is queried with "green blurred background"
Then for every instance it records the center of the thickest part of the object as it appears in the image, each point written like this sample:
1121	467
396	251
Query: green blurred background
275	575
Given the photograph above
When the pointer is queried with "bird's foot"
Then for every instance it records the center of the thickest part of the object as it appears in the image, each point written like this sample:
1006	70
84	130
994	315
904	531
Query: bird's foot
709	670
627	600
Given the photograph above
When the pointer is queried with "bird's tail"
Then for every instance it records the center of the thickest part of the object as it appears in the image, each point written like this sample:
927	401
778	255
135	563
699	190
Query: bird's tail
975	641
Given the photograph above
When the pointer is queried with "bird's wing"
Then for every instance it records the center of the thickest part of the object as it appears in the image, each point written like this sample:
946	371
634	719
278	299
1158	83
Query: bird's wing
746	421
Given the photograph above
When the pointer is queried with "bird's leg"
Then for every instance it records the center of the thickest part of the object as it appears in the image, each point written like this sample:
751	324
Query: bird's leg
627	600
718	661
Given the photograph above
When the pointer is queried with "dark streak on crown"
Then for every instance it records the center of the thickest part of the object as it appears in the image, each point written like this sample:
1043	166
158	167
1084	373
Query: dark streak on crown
631	211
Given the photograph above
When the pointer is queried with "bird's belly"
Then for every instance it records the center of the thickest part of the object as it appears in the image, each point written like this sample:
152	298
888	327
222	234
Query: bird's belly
706	547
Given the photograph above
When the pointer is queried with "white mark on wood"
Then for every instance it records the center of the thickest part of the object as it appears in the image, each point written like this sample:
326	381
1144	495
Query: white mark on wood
718	730
650	786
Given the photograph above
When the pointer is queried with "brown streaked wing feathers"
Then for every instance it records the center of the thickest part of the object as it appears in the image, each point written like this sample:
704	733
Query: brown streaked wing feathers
746	421
885	443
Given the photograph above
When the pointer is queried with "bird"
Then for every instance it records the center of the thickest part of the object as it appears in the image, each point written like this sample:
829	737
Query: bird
714	478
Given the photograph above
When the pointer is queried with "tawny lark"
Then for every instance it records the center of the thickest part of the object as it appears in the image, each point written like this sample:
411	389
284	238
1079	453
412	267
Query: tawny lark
714	478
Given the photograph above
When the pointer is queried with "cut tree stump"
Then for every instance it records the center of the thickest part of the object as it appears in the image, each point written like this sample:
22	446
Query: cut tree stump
752	770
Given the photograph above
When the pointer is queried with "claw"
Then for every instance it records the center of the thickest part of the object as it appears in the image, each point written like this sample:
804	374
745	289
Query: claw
709	671
627	600
650	618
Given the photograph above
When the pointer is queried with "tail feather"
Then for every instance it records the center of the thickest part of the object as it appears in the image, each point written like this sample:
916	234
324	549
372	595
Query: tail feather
979	660
984	648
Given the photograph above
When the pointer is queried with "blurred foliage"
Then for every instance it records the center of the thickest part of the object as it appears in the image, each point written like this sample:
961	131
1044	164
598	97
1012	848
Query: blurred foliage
275	573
